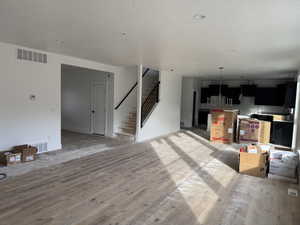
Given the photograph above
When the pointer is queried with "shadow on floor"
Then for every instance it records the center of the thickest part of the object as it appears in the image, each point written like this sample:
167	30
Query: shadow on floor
228	154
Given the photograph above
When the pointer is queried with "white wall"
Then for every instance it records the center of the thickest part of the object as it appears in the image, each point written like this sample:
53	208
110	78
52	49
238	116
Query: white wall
165	118
76	97
296	134
25	121
122	85
186	118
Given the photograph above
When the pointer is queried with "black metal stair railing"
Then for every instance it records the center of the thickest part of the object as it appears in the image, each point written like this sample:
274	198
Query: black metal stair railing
132	88
149	103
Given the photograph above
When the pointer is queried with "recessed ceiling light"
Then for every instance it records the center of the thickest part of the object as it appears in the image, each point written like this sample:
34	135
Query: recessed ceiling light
199	17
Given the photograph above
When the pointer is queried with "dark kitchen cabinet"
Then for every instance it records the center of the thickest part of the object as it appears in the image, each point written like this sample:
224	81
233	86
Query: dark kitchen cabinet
204	95
290	98
234	94
215	89
266	96
248	90
281	94
202	118
282	133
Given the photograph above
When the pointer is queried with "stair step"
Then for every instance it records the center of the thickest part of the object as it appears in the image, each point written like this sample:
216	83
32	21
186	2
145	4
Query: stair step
130	119
126	136
130	125
128	130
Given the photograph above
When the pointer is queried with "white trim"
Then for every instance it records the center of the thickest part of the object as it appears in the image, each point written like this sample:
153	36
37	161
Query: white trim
295	142
92	105
139	100
109	105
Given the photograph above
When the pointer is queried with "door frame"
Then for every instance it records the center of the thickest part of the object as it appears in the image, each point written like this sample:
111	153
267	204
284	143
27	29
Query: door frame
194	109
92	105
110	95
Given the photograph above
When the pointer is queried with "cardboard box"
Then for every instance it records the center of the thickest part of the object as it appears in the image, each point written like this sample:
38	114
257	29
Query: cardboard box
253	162
283	163
282	178
254	131
9	158
279	117
223	125
28	152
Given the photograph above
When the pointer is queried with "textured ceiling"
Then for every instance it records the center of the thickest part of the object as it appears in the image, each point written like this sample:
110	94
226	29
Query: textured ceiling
247	37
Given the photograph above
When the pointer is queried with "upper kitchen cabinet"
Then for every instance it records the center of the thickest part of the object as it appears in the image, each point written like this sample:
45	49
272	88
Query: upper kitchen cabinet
282	89
215	89
283	95
248	90
266	96
290	98
205	94
233	94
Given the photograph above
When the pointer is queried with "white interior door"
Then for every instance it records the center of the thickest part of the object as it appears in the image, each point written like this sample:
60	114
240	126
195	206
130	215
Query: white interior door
98	108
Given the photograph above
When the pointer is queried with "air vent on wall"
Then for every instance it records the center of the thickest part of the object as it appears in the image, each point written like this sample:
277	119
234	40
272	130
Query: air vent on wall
31	56
42	147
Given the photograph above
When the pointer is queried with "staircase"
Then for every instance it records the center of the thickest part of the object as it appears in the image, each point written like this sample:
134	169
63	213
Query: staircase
129	125
150	97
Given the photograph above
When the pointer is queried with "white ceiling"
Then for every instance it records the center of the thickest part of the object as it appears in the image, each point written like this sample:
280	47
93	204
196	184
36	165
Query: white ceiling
247	37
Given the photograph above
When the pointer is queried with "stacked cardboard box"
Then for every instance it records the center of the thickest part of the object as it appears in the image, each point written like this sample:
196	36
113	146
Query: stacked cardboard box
22	153
253	161
9	158
254	131
279	117
223	125
283	163
28	152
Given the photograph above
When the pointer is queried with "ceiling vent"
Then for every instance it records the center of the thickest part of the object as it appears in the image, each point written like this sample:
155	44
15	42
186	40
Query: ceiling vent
31	56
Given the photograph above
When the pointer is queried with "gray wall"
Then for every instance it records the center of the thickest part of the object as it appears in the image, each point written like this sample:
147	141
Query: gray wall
76	97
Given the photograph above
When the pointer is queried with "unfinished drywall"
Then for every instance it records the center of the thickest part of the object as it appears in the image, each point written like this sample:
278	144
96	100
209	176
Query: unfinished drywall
165	118
76	88
32	120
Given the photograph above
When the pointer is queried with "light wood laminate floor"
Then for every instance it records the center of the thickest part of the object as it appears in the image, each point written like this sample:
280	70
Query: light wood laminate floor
180	179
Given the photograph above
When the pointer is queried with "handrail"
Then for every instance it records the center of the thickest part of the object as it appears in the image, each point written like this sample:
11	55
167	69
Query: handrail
149	103
129	92
150	94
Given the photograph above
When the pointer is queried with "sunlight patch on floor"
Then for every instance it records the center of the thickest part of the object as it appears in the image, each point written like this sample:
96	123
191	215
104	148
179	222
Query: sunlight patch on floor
201	176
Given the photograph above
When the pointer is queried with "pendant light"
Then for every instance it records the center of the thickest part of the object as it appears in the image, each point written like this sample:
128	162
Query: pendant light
221	68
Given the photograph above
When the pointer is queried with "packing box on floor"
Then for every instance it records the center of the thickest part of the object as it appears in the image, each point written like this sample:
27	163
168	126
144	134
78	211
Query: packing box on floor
253	161
28	152
283	163
9	158
279	117
223	125
254	131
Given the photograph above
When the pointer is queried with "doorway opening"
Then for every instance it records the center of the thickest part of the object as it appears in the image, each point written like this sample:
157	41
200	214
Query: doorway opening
86	107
